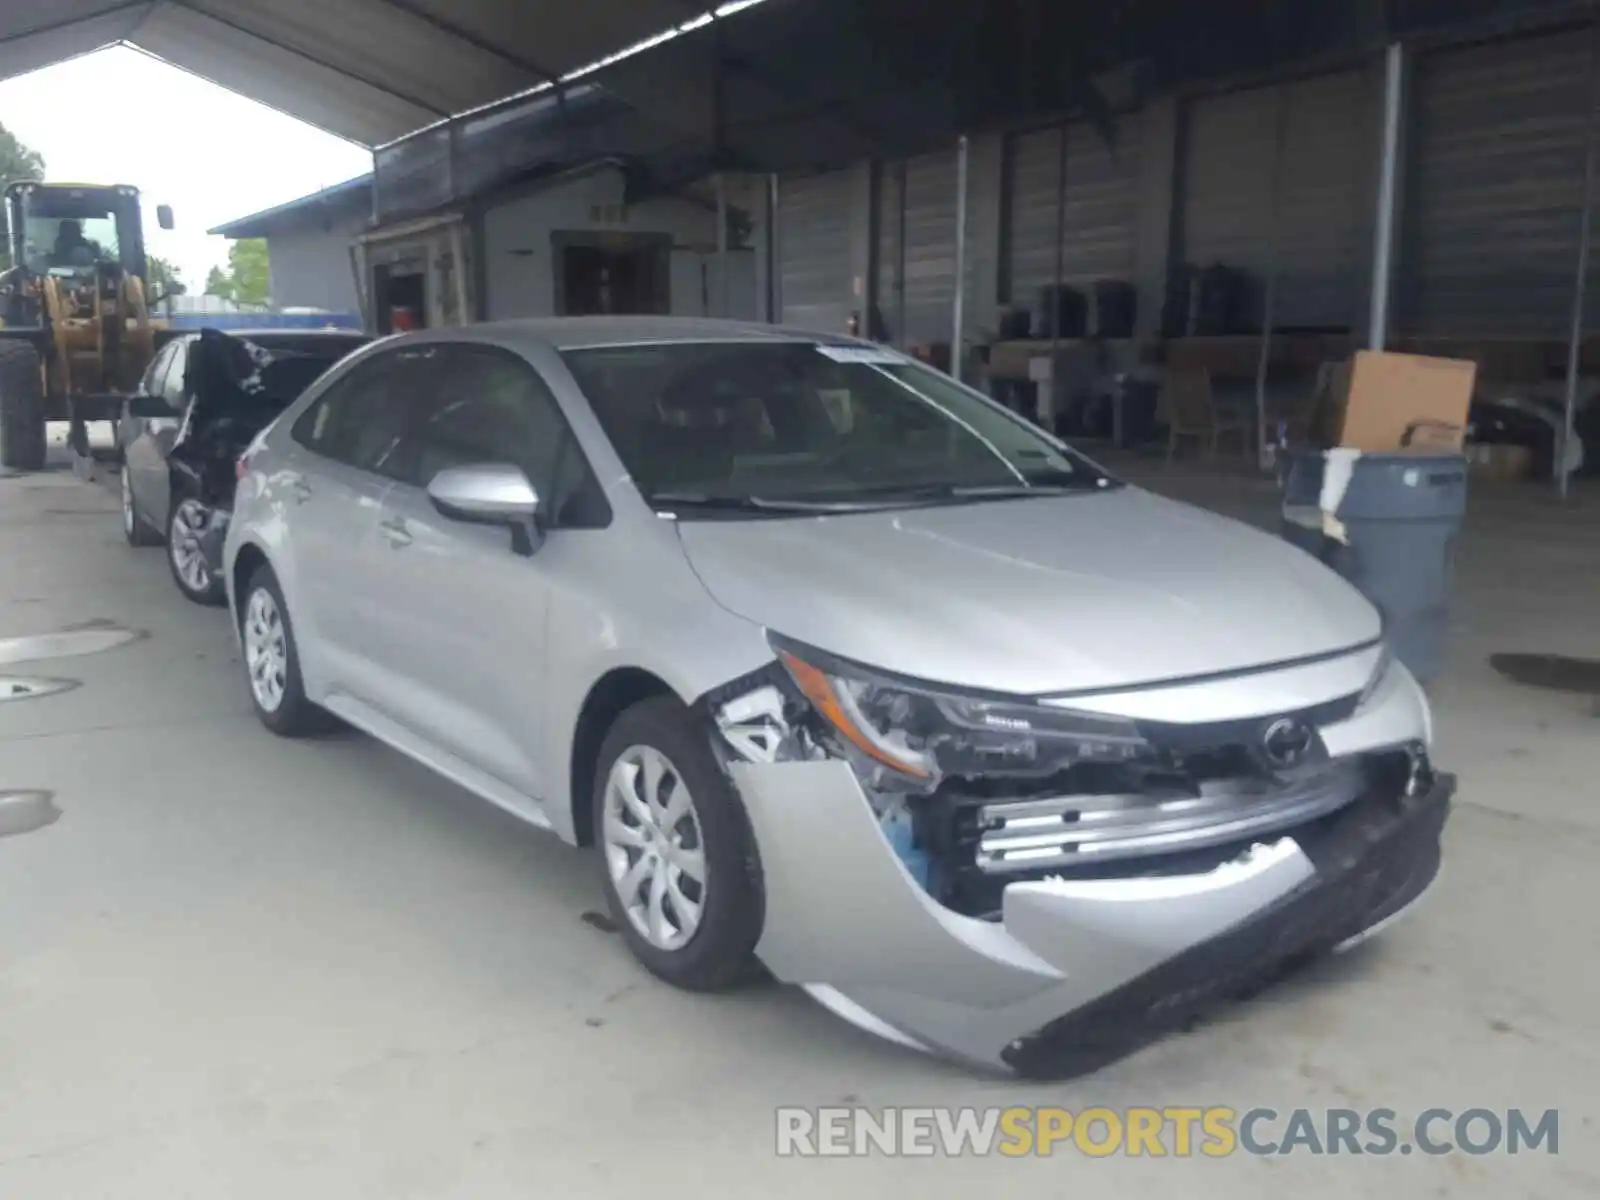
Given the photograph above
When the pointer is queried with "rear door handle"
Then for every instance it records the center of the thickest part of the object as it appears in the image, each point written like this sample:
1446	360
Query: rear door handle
299	489
395	530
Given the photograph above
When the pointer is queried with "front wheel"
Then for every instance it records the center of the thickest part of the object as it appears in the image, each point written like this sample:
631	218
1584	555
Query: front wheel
272	660
679	864
22	414
134	527
186	527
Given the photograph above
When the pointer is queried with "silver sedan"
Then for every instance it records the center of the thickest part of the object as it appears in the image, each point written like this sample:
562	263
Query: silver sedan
844	670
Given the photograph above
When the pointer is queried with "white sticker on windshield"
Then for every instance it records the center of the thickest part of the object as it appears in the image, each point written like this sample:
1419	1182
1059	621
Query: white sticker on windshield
860	354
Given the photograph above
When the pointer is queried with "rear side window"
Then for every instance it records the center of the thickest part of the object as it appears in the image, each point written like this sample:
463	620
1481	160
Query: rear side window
362	418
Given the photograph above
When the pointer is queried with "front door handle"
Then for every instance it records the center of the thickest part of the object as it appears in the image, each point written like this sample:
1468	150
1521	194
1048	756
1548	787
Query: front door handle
395	530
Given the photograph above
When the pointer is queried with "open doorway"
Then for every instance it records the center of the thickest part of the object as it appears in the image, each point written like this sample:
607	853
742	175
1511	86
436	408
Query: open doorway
400	299
612	273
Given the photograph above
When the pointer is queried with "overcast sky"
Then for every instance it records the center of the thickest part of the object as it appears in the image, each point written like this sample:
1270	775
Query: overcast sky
180	139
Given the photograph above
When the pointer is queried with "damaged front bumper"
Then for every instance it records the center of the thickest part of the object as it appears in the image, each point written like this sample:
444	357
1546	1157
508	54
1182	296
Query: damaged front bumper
1065	974
1075	973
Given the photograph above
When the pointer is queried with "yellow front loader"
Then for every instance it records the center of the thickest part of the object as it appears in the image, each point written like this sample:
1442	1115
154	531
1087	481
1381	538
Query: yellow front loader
75	328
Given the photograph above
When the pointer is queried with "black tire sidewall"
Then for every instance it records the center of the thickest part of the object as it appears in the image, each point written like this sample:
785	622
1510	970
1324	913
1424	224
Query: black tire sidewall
22	422
721	954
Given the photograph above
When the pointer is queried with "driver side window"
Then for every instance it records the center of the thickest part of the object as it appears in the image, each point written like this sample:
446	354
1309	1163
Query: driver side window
485	405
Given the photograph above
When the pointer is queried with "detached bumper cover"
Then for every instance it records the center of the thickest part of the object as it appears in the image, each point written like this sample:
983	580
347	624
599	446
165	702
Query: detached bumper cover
1076	973
1372	860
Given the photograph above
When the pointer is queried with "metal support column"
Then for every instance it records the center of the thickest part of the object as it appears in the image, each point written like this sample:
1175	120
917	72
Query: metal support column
774	299
1388	187
1269	301
721	182
1046	414
1580	286
958	308
900	255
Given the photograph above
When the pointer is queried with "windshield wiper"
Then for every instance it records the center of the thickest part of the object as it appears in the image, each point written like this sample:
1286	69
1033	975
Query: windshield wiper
753	504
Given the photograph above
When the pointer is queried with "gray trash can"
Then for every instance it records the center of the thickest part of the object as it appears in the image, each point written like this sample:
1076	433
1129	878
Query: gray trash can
1392	533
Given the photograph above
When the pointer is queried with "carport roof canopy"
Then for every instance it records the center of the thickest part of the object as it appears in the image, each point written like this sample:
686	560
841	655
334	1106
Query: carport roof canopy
367	70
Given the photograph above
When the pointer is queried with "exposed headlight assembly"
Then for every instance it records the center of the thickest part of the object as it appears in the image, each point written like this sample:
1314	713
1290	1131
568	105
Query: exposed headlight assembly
908	735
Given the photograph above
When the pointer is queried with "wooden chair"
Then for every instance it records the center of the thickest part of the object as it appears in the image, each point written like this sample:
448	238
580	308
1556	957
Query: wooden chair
1192	413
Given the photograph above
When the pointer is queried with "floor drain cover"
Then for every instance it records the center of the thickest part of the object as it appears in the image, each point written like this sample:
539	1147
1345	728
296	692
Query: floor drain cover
69	643
24	812
14	688
1553	671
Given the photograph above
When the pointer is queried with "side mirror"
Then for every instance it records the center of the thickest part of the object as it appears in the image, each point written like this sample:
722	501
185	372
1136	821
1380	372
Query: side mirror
141	405
490	494
164	215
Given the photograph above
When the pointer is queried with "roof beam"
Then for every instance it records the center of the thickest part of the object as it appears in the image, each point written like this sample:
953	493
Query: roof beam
426	106
476	41
56	26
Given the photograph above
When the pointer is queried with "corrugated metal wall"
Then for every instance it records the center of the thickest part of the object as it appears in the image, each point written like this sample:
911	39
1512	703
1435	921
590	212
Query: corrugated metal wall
1494	188
930	249
1228	202
814	250
1101	210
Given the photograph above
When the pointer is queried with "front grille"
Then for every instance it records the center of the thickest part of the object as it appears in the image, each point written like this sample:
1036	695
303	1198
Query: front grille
1078	830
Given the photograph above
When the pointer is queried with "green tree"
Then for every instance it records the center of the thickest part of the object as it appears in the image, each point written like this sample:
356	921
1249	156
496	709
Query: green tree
247	270
165	279
218	284
17	161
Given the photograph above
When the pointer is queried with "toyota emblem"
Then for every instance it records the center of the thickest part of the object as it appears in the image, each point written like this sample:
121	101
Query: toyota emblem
1287	742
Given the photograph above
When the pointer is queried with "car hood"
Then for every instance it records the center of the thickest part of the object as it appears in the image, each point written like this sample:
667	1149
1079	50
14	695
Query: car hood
1095	591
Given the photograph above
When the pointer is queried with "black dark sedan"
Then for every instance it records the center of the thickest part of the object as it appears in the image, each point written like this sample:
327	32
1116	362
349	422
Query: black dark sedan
202	400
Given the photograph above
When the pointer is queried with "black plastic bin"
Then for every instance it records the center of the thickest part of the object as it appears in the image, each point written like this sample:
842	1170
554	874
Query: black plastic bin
1401	514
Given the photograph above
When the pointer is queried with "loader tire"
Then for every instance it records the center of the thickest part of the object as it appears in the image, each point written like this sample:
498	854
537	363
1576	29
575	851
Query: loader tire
22	424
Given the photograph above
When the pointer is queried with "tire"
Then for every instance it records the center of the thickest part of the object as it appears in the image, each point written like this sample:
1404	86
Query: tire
261	611
22	423
185	559
134	527
715	951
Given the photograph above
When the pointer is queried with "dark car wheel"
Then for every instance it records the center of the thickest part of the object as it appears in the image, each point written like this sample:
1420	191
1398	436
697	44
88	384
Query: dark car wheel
186	528
677	856
272	661
134	526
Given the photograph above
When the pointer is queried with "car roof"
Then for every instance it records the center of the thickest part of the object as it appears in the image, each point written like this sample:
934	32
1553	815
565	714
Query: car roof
250	335
574	333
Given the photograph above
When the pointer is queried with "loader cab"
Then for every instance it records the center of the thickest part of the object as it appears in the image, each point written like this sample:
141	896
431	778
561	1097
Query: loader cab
69	228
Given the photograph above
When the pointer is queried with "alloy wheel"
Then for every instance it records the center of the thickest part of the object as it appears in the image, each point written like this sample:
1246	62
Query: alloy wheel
266	649
127	502
654	850
189	521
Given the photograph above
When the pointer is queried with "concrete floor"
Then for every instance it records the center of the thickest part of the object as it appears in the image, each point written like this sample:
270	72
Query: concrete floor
241	967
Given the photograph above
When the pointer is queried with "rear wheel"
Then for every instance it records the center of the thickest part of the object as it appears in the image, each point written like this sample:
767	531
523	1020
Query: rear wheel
186	526
134	527
22	424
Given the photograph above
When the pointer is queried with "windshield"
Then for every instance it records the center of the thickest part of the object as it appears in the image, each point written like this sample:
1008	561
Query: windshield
788	425
81	240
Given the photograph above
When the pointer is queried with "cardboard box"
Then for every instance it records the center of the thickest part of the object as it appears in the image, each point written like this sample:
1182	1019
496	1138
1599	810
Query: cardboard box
1383	403
1501	463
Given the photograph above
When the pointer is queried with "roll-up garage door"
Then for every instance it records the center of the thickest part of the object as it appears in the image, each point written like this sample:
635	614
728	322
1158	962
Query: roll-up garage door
1230	194
930	247
814	251
1494	187
1100	211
